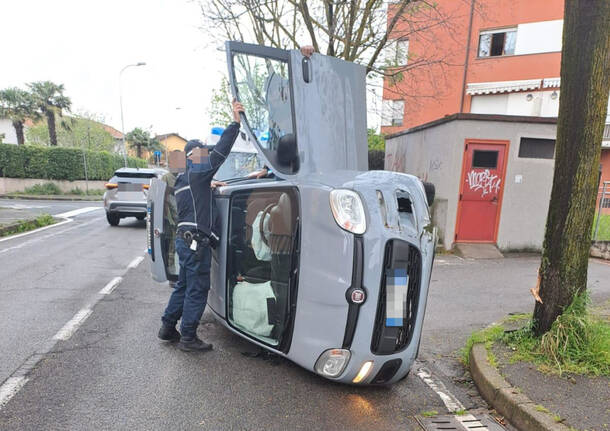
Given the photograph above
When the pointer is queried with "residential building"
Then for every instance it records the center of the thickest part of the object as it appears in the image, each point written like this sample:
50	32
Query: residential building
479	120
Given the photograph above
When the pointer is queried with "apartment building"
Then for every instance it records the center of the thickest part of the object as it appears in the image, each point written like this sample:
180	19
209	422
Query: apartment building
476	115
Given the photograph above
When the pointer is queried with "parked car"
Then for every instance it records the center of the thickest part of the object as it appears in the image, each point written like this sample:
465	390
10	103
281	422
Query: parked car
326	264
126	193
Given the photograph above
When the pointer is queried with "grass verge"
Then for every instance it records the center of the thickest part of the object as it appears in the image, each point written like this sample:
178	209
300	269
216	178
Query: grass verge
52	189
577	343
27	225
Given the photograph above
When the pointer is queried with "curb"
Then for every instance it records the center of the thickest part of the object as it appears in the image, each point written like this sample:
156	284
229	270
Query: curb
507	400
51	198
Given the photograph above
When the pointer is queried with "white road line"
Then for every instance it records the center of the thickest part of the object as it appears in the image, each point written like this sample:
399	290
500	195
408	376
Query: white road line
19	378
37	239
10	387
78	211
112	284
134	263
35	230
450	401
73	324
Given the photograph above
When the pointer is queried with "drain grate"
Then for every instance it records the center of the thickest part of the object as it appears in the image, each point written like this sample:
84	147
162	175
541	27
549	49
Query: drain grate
460	423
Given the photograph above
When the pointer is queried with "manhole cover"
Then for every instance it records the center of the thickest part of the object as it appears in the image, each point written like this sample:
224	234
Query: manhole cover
460	423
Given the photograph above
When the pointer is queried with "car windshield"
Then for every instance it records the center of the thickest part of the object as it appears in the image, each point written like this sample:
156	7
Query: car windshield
238	165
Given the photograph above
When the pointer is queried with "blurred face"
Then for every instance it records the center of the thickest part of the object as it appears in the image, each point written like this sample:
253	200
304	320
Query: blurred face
177	162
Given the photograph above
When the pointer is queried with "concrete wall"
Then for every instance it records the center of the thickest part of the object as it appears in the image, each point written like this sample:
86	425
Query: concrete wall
12	185
435	154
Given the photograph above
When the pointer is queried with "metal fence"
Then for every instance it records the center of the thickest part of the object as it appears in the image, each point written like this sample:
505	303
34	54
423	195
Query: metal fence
601	224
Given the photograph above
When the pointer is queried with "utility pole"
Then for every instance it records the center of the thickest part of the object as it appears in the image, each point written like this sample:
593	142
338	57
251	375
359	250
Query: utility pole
141	63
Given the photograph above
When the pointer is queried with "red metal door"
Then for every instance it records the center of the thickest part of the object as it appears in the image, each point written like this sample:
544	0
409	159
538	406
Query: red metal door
481	192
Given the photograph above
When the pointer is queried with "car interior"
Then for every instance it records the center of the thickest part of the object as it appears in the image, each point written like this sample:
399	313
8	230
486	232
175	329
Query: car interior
261	234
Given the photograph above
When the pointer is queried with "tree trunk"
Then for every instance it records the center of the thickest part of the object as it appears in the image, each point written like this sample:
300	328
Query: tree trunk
18	125
51	126
585	82
139	150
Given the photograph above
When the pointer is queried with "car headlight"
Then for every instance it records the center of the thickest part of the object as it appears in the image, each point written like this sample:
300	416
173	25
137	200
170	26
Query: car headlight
348	210
332	362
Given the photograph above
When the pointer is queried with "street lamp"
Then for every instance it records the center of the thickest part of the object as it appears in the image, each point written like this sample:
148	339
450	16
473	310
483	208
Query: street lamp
141	63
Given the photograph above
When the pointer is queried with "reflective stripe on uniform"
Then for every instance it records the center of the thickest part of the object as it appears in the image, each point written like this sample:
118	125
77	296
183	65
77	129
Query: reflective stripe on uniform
181	189
187	223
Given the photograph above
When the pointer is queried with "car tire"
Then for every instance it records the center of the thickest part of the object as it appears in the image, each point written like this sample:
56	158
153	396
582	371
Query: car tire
113	219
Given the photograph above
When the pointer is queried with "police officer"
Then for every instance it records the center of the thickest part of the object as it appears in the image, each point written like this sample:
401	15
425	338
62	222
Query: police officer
195	237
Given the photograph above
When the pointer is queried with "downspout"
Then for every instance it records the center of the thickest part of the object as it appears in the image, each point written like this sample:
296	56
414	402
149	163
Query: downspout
467	57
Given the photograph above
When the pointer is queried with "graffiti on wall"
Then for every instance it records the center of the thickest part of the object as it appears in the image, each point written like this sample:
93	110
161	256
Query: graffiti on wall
484	181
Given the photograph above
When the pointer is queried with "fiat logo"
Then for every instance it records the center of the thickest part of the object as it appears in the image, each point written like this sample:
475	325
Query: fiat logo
358	296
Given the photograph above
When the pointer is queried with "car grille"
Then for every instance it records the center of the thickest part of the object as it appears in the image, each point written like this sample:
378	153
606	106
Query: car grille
391	339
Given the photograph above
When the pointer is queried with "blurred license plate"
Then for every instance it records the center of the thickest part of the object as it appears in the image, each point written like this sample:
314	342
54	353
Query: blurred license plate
396	287
130	187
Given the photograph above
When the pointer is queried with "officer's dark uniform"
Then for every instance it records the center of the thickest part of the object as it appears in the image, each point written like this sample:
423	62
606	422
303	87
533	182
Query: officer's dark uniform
195	204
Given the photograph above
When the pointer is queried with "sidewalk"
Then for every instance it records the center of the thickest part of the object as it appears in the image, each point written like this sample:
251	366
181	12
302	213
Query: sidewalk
533	400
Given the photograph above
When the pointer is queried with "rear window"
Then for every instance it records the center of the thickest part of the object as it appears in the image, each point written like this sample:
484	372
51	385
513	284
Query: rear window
134	175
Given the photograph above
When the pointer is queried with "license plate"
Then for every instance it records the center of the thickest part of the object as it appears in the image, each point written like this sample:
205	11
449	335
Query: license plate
130	187
397	285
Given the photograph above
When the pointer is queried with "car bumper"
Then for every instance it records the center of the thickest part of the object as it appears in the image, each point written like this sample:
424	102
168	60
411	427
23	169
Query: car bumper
126	208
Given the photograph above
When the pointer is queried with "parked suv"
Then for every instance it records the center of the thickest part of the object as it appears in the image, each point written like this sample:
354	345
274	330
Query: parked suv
126	193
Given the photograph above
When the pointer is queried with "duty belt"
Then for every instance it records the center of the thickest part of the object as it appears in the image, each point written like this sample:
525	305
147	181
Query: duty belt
202	239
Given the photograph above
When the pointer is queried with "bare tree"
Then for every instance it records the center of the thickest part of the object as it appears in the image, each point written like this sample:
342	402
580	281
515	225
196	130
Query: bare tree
362	31
585	82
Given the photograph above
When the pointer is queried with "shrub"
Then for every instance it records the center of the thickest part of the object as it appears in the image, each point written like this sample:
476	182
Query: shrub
59	163
43	189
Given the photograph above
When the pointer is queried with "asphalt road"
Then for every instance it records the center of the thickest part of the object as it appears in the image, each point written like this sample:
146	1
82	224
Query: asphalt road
112	373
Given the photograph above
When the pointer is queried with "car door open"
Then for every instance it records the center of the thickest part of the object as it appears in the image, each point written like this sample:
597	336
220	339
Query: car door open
305	115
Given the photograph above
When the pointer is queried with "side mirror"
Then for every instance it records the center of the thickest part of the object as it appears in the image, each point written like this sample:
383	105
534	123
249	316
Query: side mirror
287	152
430	192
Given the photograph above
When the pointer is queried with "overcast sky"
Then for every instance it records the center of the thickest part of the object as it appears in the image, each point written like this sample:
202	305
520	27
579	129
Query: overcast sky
83	44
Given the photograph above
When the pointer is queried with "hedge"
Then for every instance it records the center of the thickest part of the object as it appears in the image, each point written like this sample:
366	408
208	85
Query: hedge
60	163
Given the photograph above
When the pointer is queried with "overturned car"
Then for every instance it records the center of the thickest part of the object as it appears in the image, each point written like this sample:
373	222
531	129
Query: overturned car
326	263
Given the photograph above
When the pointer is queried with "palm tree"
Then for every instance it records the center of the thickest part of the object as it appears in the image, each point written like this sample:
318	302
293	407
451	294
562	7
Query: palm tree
18	105
141	139
50	100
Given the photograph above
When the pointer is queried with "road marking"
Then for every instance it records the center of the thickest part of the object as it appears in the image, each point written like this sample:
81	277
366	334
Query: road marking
112	284
10	387
36	230
134	263
65	216
23	244
18	378
78	211
450	401
70	328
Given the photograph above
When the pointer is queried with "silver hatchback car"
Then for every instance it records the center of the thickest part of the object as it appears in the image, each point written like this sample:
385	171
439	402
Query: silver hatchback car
327	264
126	193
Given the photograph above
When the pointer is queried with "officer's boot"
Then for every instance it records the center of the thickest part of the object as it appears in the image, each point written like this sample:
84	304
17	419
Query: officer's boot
168	333
193	344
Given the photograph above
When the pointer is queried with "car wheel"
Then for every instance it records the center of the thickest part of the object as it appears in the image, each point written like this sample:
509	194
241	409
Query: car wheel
113	219
141	217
